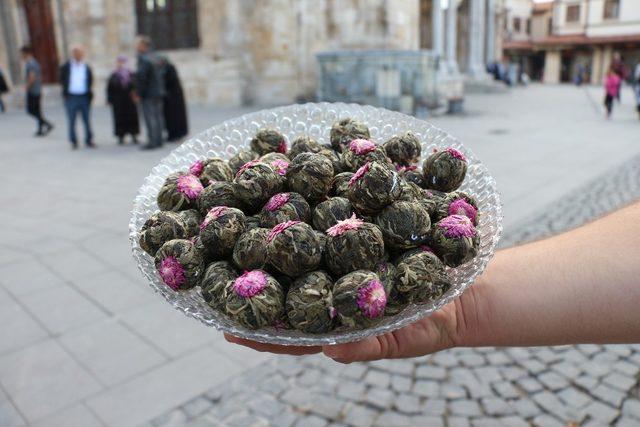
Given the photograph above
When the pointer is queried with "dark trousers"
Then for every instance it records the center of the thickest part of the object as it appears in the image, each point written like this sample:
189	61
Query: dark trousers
33	108
2	107
75	104
608	103
152	112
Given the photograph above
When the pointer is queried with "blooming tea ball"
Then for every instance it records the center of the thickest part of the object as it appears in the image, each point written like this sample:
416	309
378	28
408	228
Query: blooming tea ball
455	240
268	141
220	230
255	183
273	156
214	283
241	158
386	272
403	149
179	192
353	244
457	203
179	264
361	151
445	170
303	144
345	131
159	229
284	207
210	170
255	300
310	175
309	303
359	299
421	277
294	248
412	174
340	184
192	220
373	187
328	213
333	156
404	225
251	222
250	251
218	193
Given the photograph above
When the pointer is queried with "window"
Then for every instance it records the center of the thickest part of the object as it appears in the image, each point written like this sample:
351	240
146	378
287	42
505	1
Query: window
611	9
573	13
528	25
171	24
516	25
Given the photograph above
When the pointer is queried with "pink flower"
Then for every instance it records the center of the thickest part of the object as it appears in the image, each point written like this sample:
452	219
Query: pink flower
276	201
372	299
457	154
359	173
282	148
172	272
250	283
346	224
426	248
461	207
457	226
279	229
190	186
280	166
213	214
196	168
361	146
246	166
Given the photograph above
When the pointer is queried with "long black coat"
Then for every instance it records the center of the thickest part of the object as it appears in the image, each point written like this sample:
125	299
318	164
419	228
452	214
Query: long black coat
125	113
175	112
3	84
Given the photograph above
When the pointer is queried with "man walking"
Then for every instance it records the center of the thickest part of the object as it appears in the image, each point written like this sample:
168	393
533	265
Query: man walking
149	92
77	80
33	86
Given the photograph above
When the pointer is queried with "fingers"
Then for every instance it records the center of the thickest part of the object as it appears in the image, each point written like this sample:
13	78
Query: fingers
368	349
273	348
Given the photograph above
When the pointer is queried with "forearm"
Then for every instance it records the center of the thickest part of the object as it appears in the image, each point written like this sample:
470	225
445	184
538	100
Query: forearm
580	286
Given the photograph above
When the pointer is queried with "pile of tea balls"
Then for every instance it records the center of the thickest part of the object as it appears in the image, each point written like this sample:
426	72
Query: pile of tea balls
315	236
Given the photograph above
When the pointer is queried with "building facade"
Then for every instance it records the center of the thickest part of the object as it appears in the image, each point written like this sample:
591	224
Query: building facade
567	39
238	52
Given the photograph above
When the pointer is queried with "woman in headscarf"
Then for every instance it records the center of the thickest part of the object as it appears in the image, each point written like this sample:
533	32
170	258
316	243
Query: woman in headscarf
175	111
119	95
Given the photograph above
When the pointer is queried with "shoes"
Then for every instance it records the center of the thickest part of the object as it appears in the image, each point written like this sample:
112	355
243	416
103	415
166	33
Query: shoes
74	146
91	145
134	140
120	141
149	147
48	128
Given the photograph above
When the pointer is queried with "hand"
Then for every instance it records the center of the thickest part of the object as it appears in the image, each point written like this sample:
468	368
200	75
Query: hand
446	328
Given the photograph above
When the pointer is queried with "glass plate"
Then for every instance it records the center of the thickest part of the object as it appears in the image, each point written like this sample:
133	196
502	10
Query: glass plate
315	120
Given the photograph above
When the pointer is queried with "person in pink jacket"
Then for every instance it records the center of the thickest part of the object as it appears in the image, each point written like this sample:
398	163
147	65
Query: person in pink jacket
611	88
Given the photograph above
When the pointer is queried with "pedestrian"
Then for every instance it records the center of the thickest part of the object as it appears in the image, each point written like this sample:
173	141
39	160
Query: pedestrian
120	93
175	112
636	86
33	88
618	67
612	89
4	88
150	91
77	81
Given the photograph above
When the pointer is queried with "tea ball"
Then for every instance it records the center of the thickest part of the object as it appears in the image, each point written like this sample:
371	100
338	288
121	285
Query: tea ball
445	170
179	264
293	248
251	222
284	207
457	203
214	283
455	240
309	303
278	162
255	300
386	272
159	229
340	184
192	220
220	230
250	251
218	193
273	156
359	299
255	183
361	151
404	225
268	141
373	187
403	149
345	131
412	174
241	158
333	156
353	244
421	278
179	192
210	170
328	213
310	175
303	144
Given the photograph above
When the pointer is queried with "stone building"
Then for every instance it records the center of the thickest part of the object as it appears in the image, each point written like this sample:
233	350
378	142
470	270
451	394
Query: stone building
237	52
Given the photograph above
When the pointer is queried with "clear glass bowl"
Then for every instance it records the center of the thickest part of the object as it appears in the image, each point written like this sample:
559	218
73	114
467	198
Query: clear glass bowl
315	120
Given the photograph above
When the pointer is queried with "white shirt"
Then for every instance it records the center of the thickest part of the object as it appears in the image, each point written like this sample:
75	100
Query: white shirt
78	78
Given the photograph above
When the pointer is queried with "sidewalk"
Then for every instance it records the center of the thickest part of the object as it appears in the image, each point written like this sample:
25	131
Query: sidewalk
84	341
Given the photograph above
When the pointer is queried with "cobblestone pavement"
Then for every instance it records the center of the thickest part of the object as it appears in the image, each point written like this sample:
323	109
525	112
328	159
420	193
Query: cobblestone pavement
588	385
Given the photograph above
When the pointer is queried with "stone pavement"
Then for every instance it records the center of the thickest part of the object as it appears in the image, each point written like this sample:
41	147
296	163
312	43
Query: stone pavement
589	385
83	341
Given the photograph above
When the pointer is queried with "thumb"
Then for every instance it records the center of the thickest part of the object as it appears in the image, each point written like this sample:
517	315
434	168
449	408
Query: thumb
367	349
